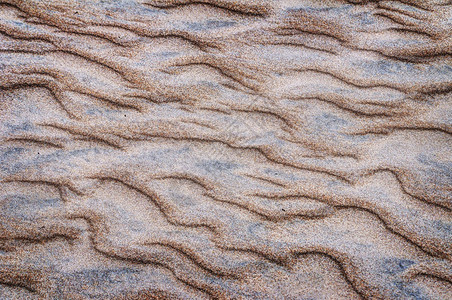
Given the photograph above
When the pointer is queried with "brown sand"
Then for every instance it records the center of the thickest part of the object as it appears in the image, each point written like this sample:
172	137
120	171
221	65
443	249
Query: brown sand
292	149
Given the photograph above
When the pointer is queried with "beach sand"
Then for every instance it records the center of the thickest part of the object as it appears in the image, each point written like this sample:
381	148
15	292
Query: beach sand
181	149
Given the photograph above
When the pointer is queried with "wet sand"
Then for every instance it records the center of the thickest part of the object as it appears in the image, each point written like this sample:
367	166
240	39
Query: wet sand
179	149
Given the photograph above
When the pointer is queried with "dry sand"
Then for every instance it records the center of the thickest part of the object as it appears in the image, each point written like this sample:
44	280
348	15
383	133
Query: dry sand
181	149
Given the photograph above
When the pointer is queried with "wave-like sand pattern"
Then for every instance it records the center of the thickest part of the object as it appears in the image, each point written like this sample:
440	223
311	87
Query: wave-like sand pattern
293	149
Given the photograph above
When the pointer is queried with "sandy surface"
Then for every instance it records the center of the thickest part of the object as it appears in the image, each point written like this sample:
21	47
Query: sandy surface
181	149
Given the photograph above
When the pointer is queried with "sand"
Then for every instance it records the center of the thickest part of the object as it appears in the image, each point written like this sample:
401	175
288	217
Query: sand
181	149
